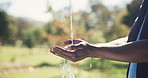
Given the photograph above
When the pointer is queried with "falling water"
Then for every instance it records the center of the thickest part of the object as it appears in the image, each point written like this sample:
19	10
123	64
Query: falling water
66	65
67	69
71	27
90	64
71	75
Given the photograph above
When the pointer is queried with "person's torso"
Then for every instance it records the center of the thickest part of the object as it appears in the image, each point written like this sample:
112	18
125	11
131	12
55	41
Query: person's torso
139	31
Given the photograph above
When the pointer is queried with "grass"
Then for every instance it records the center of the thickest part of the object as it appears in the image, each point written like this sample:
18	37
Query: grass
21	62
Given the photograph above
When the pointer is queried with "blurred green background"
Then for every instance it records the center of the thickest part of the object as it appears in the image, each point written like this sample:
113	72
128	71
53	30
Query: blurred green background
24	44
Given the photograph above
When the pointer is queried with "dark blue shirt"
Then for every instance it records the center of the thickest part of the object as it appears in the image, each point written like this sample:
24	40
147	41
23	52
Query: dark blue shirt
139	31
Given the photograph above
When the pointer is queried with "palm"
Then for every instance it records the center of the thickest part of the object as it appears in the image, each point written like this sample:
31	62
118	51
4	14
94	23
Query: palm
76	52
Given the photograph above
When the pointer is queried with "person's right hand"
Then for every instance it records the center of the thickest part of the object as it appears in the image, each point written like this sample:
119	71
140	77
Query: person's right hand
76	52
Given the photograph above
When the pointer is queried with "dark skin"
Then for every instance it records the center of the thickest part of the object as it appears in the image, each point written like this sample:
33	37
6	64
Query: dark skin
129	52
136	51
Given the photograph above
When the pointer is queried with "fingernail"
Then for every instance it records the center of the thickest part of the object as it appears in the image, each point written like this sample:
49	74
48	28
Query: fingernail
51	50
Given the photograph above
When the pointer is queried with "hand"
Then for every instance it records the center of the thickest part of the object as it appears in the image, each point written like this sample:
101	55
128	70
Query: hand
76	52
77	44
75	41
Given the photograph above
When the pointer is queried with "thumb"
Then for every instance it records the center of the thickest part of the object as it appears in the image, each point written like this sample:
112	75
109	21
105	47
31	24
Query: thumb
81	45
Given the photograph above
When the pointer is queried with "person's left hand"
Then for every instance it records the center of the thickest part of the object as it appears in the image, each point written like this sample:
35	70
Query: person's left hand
73	53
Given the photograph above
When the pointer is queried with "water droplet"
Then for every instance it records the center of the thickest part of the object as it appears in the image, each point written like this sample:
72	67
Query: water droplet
90	65
63	76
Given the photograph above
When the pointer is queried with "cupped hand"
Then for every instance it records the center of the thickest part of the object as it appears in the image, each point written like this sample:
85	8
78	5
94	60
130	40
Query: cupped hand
77	44
76	52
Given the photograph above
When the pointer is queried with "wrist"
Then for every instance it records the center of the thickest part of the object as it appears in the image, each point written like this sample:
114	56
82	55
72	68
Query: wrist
91	50
96	52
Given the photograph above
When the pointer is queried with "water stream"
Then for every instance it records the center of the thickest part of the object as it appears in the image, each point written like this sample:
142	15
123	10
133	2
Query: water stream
90	64
66	65
71	17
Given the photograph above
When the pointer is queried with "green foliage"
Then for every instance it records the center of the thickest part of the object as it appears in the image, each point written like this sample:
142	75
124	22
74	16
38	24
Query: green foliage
39	35
117	32
53	29
99	17
12	28
22	26
4	26
132	9
33	37
100	64
29	40
48	66
102	13
96	37
7	29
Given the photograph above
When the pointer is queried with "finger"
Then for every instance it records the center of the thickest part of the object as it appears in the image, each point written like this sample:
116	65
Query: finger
75	41
59	53
73	56
51	49
65	52
64	56
73	59
75	47
70	55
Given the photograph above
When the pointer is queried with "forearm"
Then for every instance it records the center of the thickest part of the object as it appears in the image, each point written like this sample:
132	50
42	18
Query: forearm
119	41
114	42
130	52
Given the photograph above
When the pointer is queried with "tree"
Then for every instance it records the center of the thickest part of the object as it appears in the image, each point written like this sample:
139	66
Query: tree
39	35
4	26
29	40
7	27
32	37
132	9
22	26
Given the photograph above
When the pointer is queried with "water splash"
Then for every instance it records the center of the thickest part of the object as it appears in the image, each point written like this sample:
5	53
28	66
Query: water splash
90	64
66	69
71	75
